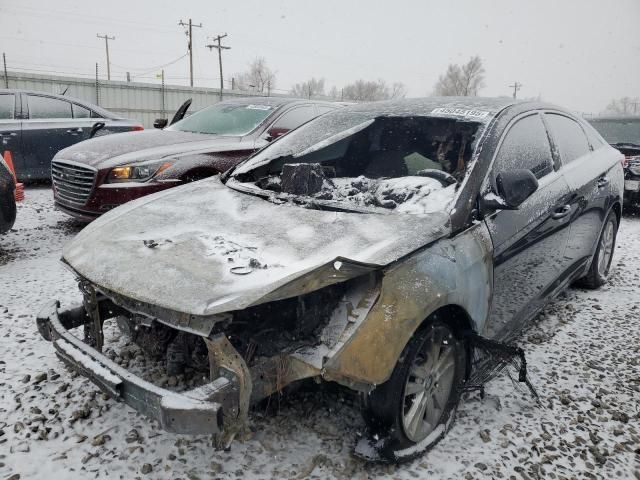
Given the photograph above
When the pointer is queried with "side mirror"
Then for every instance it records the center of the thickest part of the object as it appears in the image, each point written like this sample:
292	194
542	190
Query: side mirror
95	128
160	123
514	188
275	132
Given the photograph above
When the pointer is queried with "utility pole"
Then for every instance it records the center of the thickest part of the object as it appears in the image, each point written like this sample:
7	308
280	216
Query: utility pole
97	86
6	79
164	110
189	33
219	47
106	44
516	86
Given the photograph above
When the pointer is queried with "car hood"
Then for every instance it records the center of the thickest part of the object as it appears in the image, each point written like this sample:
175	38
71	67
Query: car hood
123	148
204	248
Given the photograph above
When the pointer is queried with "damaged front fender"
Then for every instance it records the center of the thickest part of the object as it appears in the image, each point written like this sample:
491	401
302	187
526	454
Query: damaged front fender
453	271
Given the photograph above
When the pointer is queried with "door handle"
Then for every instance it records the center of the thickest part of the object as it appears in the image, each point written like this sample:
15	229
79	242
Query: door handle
603	182
74	131
561	212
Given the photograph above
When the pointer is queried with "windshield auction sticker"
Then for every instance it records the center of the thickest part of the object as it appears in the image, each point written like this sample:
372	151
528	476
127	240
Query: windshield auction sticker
460	112
259	107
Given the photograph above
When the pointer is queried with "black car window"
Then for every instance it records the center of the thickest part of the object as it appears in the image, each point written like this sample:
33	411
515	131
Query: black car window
295	117
95	115
47	107
7	106
526	145
568	136
80	112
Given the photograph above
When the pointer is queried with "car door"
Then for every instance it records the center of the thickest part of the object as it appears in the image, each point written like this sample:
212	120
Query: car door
48	128
586	171
11	128
528	243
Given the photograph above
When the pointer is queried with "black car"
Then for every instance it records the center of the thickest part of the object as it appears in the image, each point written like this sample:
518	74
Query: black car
95	176
383	246
34	126
7	198
623	132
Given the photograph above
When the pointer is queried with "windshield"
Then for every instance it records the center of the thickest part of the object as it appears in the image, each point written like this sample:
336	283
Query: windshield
409	164
619	131
225	119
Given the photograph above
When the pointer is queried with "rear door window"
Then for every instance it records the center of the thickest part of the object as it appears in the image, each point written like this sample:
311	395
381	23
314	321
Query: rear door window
80	112
295	117
525	146
47	107
7	106
568	136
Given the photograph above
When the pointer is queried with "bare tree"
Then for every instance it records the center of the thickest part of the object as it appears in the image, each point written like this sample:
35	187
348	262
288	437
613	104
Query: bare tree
334	93
623	106
259	77
309	89
398	90
461	80
371	91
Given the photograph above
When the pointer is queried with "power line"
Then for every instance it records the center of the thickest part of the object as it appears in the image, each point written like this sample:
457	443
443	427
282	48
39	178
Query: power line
189	33
106	44
219	47
145	70
99	20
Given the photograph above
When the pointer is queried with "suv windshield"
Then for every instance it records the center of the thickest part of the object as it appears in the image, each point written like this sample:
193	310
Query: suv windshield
225	119
409	164
619	130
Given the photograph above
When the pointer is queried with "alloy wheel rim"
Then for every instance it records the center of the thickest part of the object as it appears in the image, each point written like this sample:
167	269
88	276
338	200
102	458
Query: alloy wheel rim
428	385
606	249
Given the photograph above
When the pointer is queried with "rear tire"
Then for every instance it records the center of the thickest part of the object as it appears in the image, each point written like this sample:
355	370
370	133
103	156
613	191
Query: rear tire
422	393
601	262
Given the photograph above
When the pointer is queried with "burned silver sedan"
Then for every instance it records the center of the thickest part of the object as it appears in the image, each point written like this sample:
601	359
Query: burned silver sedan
394	248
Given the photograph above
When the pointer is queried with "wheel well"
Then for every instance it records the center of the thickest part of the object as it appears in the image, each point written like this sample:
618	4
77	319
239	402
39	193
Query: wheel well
453	315
199	174
458	318
618	209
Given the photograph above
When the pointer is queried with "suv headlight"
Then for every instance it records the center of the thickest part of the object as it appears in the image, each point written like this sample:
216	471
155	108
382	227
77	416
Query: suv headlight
136	173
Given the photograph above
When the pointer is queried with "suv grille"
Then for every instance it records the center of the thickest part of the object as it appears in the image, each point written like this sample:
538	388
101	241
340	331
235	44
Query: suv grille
73	183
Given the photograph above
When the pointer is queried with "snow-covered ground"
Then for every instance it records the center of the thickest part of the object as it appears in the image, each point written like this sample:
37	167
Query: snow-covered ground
583	353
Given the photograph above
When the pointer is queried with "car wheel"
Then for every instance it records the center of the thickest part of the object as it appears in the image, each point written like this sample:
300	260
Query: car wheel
601	263
417	404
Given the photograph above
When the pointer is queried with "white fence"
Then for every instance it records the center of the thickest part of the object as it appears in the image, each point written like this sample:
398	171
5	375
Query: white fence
138	101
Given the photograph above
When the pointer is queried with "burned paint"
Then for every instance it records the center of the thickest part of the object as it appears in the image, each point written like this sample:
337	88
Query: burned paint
456	271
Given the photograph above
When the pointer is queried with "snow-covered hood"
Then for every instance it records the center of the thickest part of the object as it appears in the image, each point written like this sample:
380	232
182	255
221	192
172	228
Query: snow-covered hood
124	148
205	248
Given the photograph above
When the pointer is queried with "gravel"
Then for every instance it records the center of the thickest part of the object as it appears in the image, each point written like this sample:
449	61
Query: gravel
582	350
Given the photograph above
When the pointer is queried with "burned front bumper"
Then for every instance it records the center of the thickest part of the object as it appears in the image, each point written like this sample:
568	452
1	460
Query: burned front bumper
198	411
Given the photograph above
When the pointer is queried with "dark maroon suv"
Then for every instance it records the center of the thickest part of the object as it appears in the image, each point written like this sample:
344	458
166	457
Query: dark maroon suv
95	176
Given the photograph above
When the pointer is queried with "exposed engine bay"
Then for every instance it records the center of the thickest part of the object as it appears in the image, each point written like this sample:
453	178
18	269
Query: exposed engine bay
265	330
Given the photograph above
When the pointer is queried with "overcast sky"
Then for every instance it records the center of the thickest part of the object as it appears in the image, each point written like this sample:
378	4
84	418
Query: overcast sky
579	54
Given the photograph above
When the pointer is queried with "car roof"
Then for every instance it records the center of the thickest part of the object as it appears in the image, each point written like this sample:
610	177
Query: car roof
470	108
105	113
274	101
